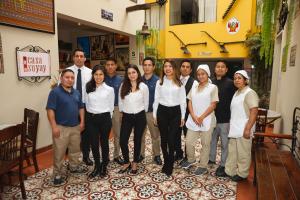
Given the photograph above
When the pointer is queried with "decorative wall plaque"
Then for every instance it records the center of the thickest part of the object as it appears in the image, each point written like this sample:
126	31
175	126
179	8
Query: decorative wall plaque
33	64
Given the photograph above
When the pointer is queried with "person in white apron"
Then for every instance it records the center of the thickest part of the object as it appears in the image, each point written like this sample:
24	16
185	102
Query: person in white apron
244	107
203	99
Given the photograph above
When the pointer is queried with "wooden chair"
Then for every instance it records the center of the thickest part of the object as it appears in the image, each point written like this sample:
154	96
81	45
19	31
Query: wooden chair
31	119
261	123
12	141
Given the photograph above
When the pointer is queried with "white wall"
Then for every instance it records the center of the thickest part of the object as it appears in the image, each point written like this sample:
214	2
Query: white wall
15	94
90	11
285	92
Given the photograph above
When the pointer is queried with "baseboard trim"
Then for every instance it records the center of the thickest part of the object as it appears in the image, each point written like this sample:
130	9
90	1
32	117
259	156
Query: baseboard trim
44	149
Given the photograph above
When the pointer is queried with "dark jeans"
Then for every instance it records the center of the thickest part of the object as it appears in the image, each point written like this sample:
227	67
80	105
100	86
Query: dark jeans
129	122
178	149
98	126
168	119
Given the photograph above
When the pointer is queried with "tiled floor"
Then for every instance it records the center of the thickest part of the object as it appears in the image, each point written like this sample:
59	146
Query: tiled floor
182	184
245	190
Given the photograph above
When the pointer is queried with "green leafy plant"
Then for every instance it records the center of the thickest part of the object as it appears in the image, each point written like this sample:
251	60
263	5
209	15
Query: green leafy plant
150	43
268	30
288	35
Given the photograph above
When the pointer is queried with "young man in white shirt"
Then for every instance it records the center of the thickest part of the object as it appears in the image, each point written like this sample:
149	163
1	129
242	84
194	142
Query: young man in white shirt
187	81
82	74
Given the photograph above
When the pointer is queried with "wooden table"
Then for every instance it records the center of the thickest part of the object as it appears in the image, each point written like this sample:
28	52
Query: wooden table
272	115
3	126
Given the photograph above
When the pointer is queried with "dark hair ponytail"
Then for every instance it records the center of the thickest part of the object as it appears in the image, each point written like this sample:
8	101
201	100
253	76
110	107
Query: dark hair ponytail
91	85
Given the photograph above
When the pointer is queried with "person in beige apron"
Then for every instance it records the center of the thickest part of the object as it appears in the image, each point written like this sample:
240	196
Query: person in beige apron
203	99
244	107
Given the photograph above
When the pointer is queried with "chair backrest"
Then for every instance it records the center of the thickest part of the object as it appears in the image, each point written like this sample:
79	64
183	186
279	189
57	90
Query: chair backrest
261	120
11	147
31	119
296	133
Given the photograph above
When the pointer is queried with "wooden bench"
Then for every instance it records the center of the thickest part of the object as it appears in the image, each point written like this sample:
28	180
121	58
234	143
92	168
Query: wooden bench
277	172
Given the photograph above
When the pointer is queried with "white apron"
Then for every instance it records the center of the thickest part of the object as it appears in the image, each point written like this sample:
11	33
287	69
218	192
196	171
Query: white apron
239	117
200	102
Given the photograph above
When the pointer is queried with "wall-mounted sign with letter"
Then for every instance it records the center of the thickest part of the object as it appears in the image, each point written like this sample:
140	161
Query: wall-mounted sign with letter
33	64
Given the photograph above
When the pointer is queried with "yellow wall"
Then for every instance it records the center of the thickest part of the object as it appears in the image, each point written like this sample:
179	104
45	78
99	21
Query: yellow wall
244	11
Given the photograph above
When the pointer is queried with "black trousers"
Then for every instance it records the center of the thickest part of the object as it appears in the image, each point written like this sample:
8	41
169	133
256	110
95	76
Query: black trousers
138	123
98	127
85	141
178	149
168	120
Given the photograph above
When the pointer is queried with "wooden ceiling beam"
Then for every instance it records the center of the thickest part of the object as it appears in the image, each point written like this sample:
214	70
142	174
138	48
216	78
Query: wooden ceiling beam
145	6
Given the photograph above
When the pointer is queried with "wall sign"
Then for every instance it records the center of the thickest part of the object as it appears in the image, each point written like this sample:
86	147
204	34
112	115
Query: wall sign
233	26
293	56
34	14
107	15
33	64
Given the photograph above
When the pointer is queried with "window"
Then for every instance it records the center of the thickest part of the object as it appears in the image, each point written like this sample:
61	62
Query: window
192	11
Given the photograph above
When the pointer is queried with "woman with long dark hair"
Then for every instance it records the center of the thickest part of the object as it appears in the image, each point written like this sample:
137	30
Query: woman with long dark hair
169	111
99	110
133	103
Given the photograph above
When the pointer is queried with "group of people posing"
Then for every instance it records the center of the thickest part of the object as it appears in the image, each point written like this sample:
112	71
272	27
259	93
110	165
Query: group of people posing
87	104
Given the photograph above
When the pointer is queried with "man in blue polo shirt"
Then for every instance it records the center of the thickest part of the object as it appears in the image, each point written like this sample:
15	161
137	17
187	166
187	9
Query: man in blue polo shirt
63	108
113	80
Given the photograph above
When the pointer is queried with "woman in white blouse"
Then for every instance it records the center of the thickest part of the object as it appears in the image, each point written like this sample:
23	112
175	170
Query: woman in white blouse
99	107
133	103
168	111
203	99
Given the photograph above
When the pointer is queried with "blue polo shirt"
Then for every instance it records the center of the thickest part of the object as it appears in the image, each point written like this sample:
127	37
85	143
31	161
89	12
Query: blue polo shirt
151	83
66	106
114	82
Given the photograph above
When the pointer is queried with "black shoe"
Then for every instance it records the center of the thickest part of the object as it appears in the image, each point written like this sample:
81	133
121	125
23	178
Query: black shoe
164	169
57	180
220	172
103	172
211	162
122	171
96	172
237	178
87	161
178	157
119	160
183	161
140	159
157	160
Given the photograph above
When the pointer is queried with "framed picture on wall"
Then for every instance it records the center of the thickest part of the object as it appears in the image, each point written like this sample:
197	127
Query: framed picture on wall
33	15
84	44
122	57
102	47
121	39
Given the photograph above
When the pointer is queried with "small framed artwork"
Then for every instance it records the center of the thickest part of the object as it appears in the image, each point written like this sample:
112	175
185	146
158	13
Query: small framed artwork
122	57
293	56
121	39
102	47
